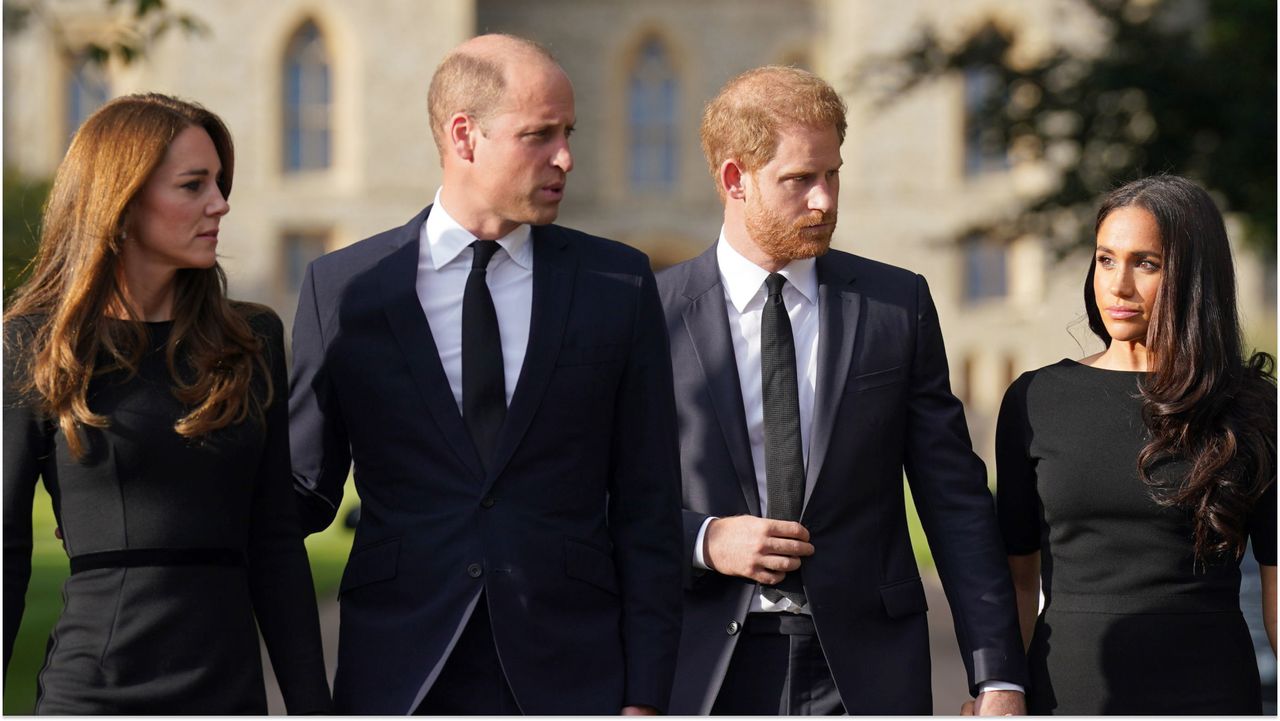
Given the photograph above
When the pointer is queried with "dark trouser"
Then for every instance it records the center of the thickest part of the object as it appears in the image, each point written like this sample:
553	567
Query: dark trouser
471	682
778	669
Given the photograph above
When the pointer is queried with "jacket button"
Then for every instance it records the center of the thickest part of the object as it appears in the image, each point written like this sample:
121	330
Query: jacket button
732	628
475	570
488	501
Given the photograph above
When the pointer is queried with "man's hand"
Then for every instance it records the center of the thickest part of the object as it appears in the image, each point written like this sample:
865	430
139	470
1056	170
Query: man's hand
639	711
996	703
761	549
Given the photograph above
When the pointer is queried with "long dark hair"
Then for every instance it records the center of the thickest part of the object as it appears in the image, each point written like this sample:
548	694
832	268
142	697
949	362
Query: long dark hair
1201	401
76	280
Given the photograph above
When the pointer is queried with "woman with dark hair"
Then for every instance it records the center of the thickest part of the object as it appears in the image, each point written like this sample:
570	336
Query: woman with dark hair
153	409
1129	483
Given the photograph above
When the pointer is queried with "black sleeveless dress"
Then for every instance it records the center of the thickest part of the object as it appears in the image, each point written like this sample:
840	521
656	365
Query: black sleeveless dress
176	548
1131	624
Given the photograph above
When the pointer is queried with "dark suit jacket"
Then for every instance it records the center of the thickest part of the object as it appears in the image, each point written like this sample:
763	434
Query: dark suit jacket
883	404
574	533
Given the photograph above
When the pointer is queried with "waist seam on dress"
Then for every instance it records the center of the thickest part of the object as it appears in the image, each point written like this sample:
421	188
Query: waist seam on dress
138	557
1189	603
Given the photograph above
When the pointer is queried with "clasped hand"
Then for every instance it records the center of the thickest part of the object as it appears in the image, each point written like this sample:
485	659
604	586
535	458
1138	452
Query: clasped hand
761	549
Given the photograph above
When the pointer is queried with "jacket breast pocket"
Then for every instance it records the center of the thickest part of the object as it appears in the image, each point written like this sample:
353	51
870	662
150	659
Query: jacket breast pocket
590	564
375	562
590	355
876	379
904	598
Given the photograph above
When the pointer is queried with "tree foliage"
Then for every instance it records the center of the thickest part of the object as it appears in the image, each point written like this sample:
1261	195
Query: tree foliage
23	203
1178	86
136	25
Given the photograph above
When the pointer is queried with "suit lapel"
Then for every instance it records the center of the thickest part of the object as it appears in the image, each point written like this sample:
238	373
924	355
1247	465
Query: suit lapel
839	306
554	265
707	322
408	323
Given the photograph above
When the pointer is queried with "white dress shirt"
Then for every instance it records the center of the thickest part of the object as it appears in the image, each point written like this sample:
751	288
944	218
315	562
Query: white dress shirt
444	262
744	294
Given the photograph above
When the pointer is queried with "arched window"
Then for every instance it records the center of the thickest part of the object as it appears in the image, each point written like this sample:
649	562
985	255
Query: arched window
87	90
985	145
300	247
986	268
652	113
308	101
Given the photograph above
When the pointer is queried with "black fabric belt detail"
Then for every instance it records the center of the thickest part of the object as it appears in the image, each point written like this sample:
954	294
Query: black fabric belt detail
135	557
1215	601
781	624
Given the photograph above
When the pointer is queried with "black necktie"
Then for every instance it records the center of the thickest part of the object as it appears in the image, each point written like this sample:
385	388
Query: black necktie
484	394
783	458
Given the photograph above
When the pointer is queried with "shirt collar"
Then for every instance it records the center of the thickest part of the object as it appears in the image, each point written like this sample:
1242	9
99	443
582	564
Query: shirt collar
744	280
446	239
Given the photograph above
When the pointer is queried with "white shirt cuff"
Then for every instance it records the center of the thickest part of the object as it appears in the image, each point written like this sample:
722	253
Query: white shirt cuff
986	686
700	560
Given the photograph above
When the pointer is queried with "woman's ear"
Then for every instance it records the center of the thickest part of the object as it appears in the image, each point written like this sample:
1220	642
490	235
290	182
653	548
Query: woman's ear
124	227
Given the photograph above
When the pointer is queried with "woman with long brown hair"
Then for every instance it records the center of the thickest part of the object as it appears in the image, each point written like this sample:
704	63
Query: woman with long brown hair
1129	483
152	407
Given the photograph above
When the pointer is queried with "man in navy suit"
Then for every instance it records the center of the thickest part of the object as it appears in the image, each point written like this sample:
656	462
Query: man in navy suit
503	387
807	381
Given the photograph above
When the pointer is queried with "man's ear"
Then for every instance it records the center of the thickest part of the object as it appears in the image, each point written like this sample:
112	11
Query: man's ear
463	130
733	179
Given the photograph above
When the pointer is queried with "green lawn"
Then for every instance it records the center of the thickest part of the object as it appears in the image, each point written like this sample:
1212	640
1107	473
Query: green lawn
328	552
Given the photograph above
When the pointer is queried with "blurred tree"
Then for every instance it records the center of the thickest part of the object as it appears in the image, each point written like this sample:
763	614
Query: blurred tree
133	25
23	203
1180	86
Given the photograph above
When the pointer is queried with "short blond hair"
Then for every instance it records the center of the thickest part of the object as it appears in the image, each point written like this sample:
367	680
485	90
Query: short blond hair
473	82
743	120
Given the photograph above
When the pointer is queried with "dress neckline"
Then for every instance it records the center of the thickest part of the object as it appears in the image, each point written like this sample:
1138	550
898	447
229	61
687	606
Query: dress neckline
1104	370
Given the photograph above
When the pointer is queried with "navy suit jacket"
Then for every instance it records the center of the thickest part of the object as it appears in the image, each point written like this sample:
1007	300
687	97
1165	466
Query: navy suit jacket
883	405
574	533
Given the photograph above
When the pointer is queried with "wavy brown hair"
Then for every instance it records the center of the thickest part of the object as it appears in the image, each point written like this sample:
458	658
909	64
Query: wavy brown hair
1202	401
76	282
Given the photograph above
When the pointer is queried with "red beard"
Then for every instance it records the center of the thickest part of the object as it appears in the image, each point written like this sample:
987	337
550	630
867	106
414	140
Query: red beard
784	240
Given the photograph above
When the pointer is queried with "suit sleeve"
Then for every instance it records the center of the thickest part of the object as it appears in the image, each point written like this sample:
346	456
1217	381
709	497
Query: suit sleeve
694	522
27	447
948	483
1017	501
280	581
319	444
644	508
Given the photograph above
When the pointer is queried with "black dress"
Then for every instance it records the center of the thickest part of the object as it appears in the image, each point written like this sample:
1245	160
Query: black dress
1131	624
176	546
